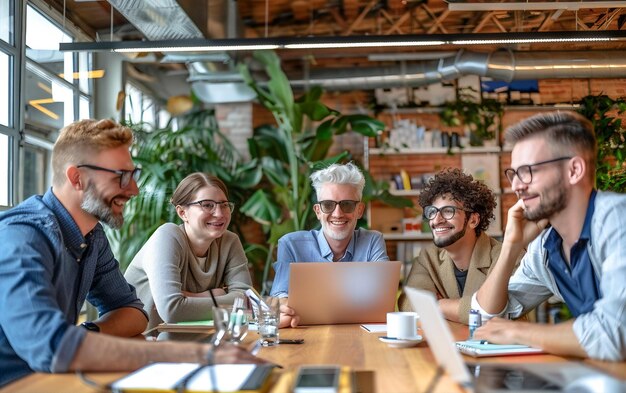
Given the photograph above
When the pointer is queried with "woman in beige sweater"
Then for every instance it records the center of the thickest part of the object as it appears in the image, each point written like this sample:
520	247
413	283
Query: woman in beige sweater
181	267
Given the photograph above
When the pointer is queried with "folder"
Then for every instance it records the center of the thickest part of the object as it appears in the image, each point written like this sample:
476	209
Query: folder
197	378
186	327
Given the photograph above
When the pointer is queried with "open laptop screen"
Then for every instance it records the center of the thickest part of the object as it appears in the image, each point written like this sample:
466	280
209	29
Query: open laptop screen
343	292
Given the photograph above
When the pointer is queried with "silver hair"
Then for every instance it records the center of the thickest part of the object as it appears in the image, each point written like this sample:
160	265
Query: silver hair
338	174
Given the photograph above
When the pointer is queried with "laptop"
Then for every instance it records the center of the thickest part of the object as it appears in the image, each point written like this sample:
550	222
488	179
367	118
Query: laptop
326	293
501	377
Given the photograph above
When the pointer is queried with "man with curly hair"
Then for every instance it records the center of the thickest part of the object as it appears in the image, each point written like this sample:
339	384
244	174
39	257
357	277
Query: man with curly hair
458	209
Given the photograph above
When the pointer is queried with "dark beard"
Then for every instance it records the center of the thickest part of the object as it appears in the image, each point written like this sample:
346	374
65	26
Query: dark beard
549	204
448	241
94	205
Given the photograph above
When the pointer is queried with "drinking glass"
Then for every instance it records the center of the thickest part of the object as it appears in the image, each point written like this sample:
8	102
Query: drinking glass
268	321
230	325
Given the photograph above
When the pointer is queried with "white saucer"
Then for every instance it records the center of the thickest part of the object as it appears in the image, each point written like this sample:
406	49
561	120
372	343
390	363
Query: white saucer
401	342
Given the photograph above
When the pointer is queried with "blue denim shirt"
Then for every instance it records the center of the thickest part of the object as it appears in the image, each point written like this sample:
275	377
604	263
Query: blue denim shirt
311	246
577	281
47	270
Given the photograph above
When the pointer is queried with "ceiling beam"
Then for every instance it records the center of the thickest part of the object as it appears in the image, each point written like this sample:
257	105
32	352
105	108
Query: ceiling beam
526	6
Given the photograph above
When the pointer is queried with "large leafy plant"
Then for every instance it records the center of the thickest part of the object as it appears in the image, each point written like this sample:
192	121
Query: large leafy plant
291	150
606	114
168	155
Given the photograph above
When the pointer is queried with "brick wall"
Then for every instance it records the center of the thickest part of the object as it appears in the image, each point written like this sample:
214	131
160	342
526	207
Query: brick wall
235	121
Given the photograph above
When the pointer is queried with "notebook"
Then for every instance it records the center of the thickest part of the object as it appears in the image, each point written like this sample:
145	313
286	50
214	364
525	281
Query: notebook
324	293
192	377
481	349
495	377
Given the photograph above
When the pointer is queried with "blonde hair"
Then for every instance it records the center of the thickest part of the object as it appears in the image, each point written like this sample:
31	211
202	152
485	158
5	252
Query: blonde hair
83	139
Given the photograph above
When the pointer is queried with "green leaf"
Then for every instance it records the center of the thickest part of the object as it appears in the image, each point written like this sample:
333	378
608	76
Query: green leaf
280	230
324	131
275	172
261	208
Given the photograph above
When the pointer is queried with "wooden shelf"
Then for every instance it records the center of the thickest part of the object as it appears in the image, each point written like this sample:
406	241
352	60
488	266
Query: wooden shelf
422	236
435	150
407	236
405	192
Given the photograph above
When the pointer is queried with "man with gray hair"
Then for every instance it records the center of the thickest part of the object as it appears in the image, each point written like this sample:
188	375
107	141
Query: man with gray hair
339	189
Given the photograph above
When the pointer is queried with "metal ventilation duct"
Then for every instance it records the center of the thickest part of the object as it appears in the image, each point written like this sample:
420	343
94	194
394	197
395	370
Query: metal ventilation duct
502	65
158	19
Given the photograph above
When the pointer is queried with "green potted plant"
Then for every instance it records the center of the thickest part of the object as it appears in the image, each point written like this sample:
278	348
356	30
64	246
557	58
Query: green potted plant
166	157
481	118
605	114
292	149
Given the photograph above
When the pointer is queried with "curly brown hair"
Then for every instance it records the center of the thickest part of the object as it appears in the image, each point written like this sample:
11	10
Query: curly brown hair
473	194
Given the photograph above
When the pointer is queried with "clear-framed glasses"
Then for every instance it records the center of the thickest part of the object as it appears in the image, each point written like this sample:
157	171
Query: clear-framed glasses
209	205
125	175
447	212
346	206
525	172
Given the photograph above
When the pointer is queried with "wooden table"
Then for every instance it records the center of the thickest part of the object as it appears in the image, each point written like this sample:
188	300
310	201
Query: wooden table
395	369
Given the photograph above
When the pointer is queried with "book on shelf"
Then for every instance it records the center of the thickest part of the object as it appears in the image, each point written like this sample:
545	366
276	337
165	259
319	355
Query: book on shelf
193	377
406	179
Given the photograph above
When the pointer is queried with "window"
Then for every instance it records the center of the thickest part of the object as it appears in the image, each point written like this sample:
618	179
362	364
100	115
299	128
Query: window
7	21
4	170
35	158
5	92
57	91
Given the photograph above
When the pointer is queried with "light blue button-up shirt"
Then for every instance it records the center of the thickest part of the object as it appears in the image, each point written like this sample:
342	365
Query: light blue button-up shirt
311	246
47	271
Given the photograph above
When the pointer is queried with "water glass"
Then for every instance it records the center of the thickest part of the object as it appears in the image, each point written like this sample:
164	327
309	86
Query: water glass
230	325
268	320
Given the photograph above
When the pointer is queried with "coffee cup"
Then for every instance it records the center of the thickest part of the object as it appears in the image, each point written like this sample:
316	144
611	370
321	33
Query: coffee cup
402	324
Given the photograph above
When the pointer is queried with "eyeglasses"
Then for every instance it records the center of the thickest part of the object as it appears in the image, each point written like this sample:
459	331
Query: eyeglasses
124	174
209	205
329	206
447	212
525	172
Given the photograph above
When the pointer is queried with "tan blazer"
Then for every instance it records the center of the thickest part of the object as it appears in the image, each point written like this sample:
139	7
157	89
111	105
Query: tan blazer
433	270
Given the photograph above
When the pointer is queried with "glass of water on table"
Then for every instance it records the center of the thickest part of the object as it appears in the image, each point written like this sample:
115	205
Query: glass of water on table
268	319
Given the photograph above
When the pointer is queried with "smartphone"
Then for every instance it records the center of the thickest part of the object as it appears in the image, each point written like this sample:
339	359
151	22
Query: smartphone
291	341
317	379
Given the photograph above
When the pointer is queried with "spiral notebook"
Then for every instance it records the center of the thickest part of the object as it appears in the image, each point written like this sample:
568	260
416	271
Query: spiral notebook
482	349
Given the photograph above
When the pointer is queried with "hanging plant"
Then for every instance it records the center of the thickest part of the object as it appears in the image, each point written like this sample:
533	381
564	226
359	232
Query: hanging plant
481	118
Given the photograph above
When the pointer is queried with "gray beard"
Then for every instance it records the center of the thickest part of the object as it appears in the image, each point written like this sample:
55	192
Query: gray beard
94	205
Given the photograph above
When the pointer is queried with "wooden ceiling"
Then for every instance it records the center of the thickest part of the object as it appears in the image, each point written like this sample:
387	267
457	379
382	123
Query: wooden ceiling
359	17
275	18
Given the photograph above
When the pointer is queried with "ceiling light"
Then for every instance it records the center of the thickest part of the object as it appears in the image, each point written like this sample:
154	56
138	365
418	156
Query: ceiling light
344	42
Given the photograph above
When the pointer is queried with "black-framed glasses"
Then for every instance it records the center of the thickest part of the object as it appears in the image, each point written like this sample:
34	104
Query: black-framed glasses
209	205
346	206
447	212
525	172
123	174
